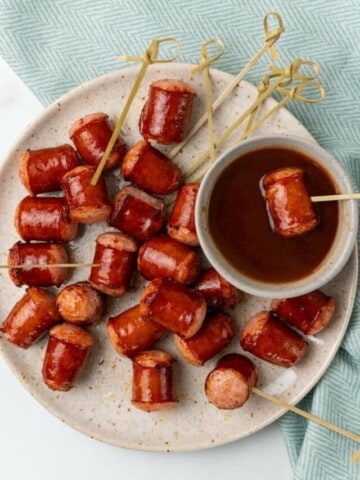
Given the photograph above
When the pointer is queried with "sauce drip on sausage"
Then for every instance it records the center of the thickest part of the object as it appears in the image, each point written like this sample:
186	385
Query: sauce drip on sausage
239	222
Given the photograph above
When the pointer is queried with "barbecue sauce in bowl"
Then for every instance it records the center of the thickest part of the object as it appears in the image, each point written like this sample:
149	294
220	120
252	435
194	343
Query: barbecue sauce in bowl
240	226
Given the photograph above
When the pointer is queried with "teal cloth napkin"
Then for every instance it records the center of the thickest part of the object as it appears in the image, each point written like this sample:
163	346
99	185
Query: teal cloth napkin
55	45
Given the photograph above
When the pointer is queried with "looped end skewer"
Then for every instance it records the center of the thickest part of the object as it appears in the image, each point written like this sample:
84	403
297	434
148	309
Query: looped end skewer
149	57
206	61
272	36
295	92
293	70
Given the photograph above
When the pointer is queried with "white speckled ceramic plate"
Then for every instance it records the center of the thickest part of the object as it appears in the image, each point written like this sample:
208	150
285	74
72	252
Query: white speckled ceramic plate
99	405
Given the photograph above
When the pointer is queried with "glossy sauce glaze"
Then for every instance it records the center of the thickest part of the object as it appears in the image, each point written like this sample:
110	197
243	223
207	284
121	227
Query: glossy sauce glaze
240	226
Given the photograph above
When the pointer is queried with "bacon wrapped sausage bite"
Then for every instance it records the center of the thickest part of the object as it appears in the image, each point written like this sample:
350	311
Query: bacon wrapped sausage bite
150	169
44	218
216	333
88	203
32	315
137	213
41	171
37	253
269	338
173	306
152	381
116	254
288	202
217	291
228	386
91	135
79	303
130	332
164	257
66	353
309	313
181	224
166	114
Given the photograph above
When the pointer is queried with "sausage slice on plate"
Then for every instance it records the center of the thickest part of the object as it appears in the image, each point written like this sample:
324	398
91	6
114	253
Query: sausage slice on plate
228	386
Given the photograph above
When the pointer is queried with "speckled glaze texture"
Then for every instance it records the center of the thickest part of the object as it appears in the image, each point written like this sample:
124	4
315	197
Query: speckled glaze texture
99	405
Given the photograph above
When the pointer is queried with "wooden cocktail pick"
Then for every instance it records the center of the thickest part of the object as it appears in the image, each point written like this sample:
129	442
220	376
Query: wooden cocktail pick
324	423
52	265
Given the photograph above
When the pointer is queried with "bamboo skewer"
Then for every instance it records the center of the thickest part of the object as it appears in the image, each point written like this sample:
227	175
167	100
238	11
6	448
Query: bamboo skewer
206	61
271	38
337	197
52	265
310	416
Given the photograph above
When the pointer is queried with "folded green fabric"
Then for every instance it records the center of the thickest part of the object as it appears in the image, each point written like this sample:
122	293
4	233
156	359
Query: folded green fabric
54	45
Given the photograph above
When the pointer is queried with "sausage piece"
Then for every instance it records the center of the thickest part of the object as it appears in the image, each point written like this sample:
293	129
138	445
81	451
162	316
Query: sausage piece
217	291
216	333
137	213
130	332
152	381
166	114
181	224
288	202
37	253
173	306
116	254
164	257
79	303
309	313
91	135
66	353
44	218
88	203
41	171
31	316
228	386
150	169
269	338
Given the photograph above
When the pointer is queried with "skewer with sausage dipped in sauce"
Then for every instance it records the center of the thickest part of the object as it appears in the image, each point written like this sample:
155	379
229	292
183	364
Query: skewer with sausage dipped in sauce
288	201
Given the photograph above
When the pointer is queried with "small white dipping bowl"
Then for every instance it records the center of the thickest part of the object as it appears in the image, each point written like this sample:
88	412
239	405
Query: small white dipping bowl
345	236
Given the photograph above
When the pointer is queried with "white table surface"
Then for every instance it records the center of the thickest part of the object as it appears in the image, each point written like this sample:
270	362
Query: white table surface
36	445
